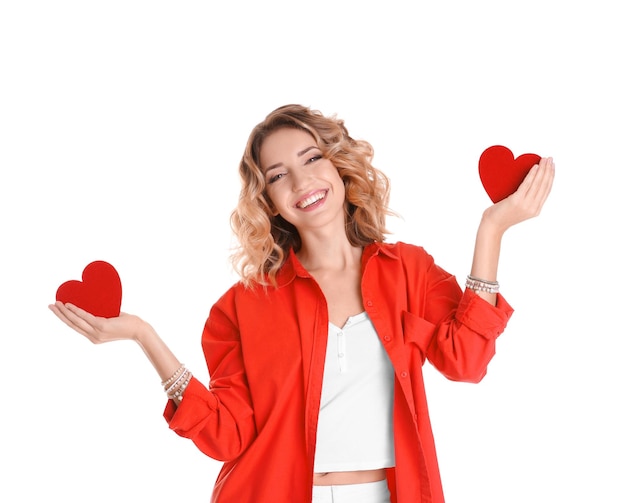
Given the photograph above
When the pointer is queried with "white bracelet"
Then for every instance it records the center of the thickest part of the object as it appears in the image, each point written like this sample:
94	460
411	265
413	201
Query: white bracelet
174	376
178	394
481	285
181	378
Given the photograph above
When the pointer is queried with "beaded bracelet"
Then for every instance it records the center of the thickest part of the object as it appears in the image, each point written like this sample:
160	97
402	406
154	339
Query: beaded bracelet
178	394
481	285
175	384
174	376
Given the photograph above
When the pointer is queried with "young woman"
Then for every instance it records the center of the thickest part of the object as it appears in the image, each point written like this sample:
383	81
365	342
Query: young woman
316	355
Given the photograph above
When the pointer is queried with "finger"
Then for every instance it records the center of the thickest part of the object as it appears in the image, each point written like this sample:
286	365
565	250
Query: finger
85	320
534	176
542	184
63	313
82	321
528	181
547	181
81	313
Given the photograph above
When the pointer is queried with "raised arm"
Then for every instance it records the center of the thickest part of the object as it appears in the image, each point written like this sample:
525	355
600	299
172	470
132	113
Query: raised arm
525	203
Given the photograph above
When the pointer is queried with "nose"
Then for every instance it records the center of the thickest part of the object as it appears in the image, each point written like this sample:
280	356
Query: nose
301	179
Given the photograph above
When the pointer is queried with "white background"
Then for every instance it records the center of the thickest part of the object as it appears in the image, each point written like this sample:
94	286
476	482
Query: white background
121	127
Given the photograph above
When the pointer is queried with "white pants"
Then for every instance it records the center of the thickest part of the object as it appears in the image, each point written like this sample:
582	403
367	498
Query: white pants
370	492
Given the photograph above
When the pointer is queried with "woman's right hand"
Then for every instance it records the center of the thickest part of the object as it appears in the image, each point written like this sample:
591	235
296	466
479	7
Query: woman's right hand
98	329
125	327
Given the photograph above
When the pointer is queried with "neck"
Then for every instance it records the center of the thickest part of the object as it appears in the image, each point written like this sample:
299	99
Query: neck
330	254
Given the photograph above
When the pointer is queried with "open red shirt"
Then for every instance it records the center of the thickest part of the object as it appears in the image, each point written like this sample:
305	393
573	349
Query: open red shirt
265	351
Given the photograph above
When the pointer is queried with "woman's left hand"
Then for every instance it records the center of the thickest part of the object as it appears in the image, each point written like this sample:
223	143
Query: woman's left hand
527	201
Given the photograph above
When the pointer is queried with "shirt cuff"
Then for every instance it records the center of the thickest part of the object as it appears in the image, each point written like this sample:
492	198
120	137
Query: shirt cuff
481	316
197	402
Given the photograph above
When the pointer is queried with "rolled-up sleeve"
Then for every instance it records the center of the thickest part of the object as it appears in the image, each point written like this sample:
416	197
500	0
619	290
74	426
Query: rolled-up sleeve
464	341
218	419
466	326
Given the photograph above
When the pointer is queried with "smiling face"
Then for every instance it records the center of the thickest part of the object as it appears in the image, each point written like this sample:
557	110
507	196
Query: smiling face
304	187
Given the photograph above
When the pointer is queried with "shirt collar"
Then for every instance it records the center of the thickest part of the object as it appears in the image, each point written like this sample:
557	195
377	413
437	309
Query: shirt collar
292	266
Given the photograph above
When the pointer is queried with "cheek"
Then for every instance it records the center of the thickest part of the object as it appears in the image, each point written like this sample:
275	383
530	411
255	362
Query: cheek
340	183
333	172
273	211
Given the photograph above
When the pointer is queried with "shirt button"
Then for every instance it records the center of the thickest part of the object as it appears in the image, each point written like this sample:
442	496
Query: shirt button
404	374
387	338
341	355
370	303
339	334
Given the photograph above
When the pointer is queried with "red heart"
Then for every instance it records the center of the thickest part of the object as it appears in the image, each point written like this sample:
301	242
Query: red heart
99	293
501	173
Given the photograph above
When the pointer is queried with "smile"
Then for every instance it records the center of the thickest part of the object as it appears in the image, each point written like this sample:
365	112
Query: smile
312	199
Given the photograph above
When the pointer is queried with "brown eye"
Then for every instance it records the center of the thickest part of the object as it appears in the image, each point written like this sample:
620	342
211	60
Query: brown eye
275	178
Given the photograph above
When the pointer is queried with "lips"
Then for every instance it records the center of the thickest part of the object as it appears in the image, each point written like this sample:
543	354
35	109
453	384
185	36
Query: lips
311	199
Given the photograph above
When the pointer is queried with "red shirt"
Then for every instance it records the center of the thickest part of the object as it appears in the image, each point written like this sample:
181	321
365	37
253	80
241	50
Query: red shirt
265	352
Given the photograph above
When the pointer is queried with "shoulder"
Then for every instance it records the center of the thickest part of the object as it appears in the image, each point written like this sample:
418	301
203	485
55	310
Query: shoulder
233	307
410	260
238	293
405	252
251	300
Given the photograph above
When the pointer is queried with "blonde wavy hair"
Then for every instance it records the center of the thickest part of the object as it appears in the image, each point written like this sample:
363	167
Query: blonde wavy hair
265	239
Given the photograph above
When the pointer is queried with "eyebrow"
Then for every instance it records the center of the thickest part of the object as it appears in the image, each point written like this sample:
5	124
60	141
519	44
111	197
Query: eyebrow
299	154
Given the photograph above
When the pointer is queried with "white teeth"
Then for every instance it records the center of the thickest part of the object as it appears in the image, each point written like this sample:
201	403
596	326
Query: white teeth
310	200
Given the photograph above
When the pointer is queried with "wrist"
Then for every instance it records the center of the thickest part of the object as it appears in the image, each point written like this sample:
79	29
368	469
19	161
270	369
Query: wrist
143	333
489	228
487	251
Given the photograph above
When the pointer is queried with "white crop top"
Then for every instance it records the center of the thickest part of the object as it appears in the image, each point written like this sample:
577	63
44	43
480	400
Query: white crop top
355	429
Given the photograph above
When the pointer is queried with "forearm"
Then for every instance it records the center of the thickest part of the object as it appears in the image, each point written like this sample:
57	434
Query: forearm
163	360
486	256
523	204
127	327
